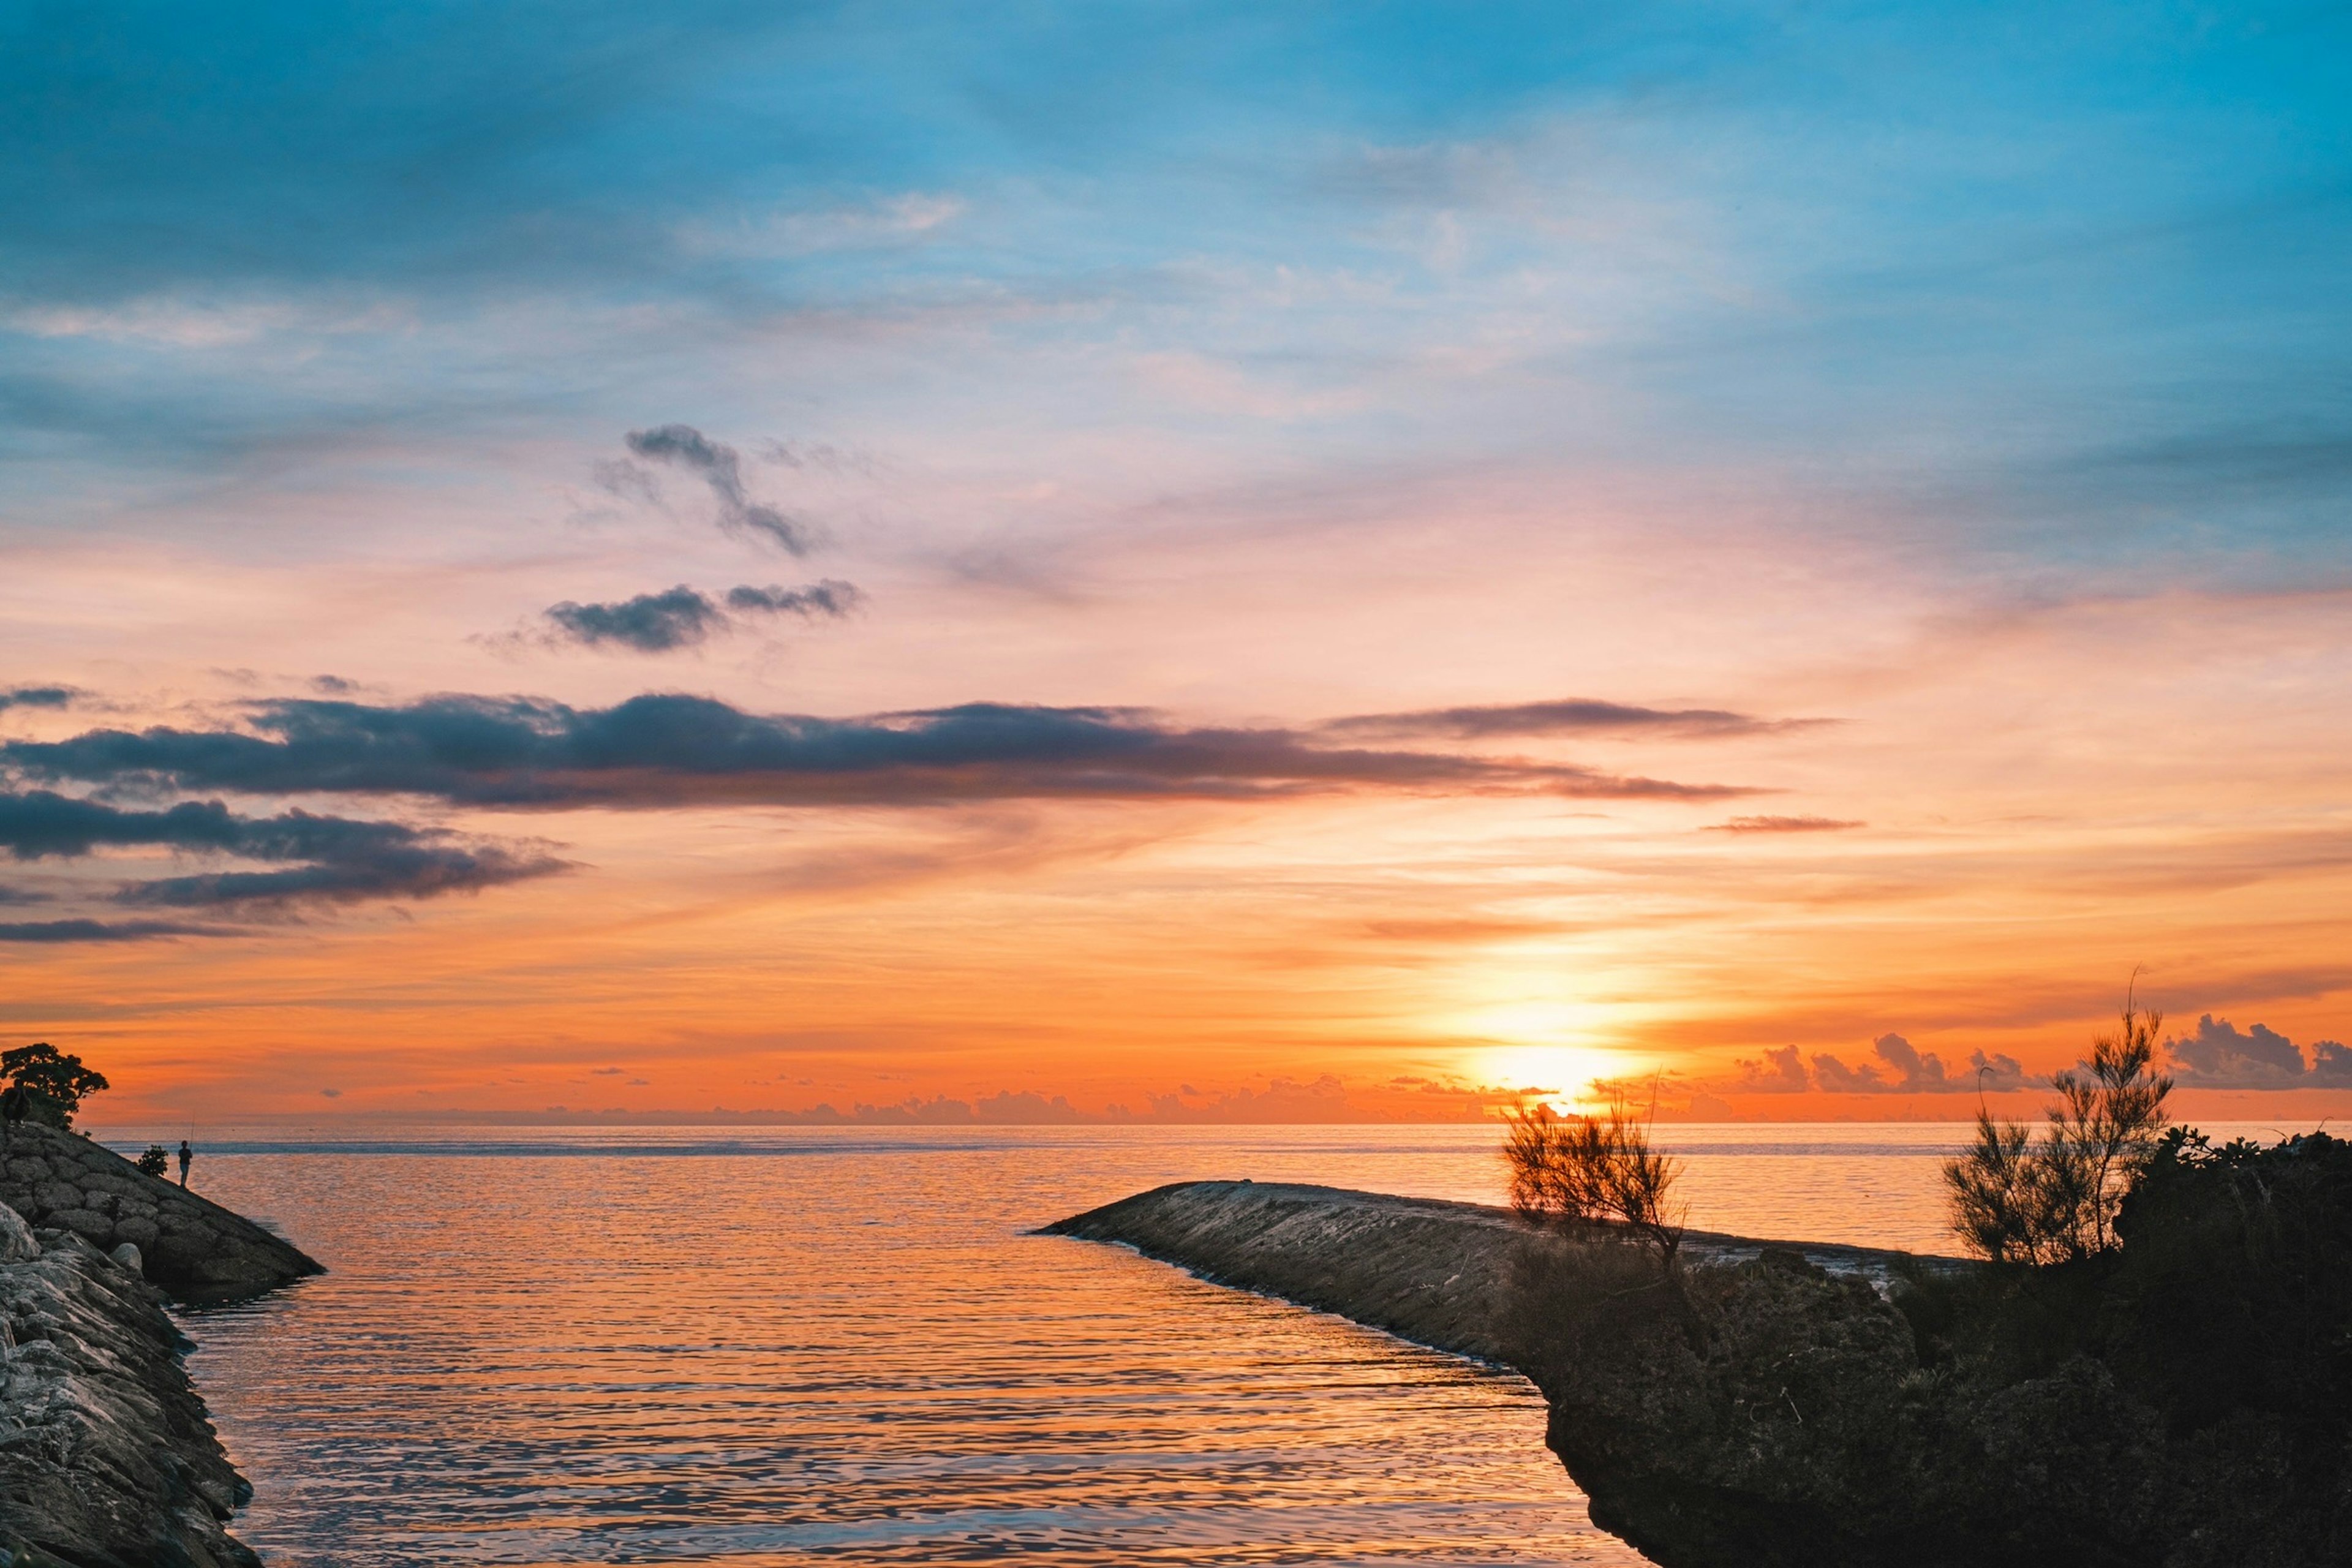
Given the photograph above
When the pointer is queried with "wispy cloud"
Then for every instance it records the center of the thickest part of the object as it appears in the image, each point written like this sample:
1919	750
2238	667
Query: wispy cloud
53	933
721	467
321	860
669	750
1784	825
37	697
684	617
1565	716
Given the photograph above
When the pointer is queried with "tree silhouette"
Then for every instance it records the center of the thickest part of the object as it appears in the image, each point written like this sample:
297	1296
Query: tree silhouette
54	1083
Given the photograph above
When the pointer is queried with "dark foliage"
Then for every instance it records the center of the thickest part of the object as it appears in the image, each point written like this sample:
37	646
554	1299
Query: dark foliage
2015	1199
1594	1172
156	1160
53	1084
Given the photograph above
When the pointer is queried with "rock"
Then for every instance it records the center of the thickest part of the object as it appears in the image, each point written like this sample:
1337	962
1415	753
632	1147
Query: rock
17	1243
126	1254
194	1248
107	1459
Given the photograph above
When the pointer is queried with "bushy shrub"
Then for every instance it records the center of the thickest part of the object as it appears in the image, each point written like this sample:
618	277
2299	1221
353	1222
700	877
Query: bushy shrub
2019	1199
1594	1172
156	1160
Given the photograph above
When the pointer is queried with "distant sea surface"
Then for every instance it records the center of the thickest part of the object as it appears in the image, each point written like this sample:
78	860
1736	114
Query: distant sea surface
789	1346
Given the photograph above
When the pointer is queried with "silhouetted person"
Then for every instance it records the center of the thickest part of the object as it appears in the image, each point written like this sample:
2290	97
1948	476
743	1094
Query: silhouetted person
187	1156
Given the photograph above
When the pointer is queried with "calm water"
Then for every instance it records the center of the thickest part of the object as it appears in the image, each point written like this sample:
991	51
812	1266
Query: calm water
797	1346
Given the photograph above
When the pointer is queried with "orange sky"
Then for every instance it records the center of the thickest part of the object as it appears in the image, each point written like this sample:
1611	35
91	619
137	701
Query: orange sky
848	570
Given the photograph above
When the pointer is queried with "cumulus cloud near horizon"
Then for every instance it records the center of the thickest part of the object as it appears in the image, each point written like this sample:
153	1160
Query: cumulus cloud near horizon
2217	1055
1901	1068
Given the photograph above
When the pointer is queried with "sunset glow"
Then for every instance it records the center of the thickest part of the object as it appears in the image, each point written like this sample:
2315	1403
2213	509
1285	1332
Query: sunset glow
782	565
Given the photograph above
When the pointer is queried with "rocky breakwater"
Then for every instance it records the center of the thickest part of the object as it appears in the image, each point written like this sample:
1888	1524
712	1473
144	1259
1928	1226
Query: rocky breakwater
1776	1404
107	1459
194	1248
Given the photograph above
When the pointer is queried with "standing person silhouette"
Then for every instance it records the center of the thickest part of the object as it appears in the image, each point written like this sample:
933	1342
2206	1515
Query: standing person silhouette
187	1156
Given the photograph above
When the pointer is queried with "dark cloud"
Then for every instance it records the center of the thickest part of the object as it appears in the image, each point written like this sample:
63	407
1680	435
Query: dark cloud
831	597
323	859
96	930
721	468
673	750
684	617
1784	825
1901	1068
2217	1055
1569	716
650	623
37	697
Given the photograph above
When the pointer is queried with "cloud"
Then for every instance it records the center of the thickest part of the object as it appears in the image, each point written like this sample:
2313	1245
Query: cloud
2220	1056
650	623
721	468
662	750
97	930
1781	1071
1569	716
1901	1068
330	1094
336	859
831	597
684	617
37	697
1783	824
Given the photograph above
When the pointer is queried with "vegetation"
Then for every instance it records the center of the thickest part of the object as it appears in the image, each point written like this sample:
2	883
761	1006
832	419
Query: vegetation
53	1084
156	1160
1595	1173
2015	1199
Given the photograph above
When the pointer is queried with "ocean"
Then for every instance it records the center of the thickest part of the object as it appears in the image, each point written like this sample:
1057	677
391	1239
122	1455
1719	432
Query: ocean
785	1346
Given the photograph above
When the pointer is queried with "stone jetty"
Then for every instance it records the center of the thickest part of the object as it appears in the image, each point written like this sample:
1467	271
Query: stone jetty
191	1246
1768	1405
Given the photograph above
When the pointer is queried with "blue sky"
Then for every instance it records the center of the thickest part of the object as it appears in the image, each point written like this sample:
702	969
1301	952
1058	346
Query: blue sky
2065	271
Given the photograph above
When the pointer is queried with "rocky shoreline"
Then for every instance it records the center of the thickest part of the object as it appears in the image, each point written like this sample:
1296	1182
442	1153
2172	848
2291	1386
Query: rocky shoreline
108	1458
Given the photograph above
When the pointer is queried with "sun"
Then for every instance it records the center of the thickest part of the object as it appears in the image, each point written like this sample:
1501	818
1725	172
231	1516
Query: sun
1563	1076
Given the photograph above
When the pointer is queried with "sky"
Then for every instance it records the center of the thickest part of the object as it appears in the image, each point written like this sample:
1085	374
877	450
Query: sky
1173	562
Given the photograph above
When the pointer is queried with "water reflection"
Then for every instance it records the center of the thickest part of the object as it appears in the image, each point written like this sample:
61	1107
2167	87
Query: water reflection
805	1349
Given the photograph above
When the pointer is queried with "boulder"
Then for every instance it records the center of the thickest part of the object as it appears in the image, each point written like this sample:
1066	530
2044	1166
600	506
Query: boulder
191	1247
17	1243
107	1459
